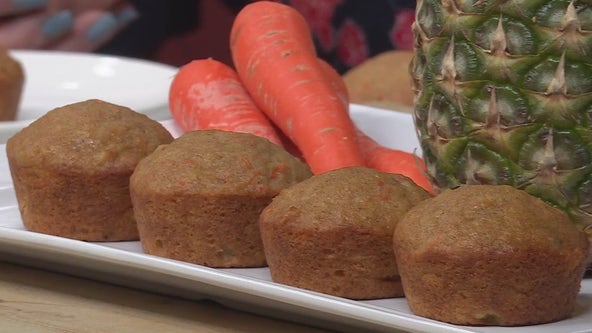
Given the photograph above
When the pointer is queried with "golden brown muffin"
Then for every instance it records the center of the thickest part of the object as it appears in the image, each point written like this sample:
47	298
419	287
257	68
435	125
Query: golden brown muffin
71	169
12	79
198	199
332	233
382	81
489	255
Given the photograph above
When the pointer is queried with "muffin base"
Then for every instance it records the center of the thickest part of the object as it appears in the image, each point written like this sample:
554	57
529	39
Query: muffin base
85	207
348	263
501	290
210	231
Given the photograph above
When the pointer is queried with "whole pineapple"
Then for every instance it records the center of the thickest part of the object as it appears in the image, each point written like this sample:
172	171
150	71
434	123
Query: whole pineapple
503	95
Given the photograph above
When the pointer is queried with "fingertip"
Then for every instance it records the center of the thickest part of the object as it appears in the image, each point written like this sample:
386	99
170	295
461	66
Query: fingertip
18	6
57	24
102	28
93	28
108	23
126	16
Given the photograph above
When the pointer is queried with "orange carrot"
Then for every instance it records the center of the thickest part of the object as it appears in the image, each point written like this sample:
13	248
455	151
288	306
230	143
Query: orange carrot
390	160
376	156
207	94
274	55
336	81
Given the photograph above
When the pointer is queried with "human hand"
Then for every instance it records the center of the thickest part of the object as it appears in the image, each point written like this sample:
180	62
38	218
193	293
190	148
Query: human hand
70	25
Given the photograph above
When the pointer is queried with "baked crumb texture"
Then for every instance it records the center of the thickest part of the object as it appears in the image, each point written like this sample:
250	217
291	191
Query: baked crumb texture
199	198
490	255
71	169
332	233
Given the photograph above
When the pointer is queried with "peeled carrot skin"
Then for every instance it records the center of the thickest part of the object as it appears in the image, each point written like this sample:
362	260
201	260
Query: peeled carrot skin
207	94
275	59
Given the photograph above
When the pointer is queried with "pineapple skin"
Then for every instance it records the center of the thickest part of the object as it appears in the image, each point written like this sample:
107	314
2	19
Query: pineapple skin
503	95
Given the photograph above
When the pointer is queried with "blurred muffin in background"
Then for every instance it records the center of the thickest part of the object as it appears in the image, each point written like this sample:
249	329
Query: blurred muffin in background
12	79
382	81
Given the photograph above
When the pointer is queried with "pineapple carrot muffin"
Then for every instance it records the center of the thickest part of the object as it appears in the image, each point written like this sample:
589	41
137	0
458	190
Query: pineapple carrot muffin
198	199
490	255
12	79
71	169
332	233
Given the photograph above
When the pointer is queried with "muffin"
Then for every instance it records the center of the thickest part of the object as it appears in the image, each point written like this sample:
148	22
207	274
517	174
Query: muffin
368	84
198	199
489	255
332	233
71	169
12	79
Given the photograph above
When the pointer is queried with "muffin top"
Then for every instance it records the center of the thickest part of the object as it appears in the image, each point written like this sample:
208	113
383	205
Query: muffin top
485	218
215	162
87	136
346	197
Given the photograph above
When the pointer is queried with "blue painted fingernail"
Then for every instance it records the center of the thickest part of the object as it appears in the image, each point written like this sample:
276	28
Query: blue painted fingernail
57	24
126	16
103	26
29	4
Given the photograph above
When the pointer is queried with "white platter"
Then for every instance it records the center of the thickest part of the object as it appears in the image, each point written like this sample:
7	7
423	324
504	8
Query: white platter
247	289
54	79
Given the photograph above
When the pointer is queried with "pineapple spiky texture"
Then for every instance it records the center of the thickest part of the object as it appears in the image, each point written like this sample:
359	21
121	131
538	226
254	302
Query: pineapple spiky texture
503	95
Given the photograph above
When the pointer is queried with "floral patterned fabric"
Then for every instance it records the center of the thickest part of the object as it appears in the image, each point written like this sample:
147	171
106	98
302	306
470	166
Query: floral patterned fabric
349	32
346	32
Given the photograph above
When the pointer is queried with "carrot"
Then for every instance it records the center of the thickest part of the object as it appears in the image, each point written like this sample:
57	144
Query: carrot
208	94
273	52
375	155
396	161
336	82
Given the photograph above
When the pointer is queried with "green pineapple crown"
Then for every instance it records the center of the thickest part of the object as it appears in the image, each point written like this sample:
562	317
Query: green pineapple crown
503	95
